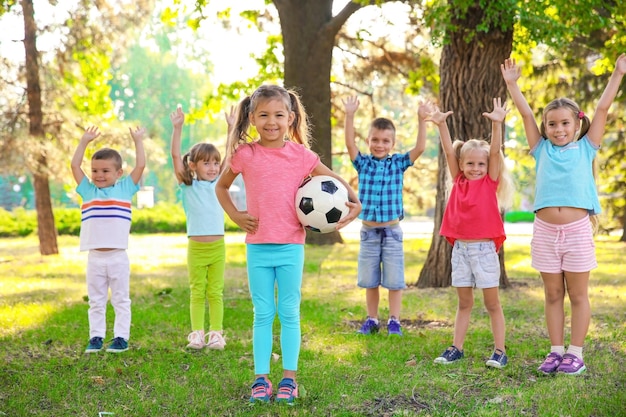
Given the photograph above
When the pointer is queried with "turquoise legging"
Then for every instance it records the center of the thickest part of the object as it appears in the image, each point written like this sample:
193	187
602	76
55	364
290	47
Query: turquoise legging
271	265
205	264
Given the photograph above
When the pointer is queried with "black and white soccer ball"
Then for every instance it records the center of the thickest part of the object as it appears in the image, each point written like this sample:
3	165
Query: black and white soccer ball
321	203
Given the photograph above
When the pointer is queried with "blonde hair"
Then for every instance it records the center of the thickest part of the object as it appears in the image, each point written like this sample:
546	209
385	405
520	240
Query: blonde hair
505	190
200	152
298	132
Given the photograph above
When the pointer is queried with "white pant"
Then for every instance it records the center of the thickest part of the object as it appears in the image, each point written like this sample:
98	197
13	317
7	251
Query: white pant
108	269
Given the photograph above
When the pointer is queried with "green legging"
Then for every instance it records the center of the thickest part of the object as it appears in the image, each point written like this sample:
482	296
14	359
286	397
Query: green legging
205	263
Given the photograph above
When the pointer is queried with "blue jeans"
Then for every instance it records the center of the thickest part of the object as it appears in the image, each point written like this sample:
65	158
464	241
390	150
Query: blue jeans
381	258
280	266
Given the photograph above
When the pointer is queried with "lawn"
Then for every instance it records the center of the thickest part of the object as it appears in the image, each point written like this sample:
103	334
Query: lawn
44	331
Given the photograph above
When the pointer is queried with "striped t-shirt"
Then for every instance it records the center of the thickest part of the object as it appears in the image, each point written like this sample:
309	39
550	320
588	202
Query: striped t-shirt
106	214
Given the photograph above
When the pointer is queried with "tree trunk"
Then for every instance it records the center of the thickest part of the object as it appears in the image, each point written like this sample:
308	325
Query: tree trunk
470	79
46	228
309	29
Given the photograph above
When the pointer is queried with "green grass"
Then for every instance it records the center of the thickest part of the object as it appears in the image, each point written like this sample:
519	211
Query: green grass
44	331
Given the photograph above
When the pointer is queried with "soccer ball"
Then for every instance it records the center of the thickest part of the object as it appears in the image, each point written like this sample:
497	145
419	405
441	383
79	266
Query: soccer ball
321	203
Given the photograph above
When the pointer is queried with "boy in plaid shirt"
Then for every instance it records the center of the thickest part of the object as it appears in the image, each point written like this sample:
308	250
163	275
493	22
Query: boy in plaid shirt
381	174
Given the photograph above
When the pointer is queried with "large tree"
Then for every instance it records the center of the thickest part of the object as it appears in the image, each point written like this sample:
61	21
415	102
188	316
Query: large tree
470	78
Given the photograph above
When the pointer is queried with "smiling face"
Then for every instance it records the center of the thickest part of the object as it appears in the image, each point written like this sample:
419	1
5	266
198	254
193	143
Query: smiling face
560	126
104	172
272	119
380	142
206	170
474	164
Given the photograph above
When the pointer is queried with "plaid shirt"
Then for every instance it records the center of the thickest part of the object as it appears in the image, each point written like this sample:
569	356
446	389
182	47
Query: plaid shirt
380	186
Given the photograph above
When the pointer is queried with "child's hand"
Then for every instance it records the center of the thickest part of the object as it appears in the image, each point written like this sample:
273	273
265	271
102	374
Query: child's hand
246	222
90	134
355	209
510	71
351	104
177	117
499	111
425	109
137	134
437	116
620	64
230	118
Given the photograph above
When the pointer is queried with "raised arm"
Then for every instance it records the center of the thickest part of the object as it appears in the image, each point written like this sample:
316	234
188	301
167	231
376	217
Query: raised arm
140	154
440	119
420	143
596	129
90	134
511	73
351	104
177	118
497	116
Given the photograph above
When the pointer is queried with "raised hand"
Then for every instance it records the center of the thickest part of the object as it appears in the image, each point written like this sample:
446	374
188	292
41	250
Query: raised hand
90	134
138	133
177	117
499	111
510	70
351	104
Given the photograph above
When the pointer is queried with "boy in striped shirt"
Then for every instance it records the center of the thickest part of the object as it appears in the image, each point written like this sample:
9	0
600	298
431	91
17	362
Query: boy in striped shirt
104	230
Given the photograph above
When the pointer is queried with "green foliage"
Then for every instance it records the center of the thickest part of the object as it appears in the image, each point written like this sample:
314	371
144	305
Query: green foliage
519	216
19	222
162	218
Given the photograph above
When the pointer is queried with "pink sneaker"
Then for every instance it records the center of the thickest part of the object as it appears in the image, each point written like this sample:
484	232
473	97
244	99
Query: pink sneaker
550	365
261	390
215	341
571	365
287	391
196	339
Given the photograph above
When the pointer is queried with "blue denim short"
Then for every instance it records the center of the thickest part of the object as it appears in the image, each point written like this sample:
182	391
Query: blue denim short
381	258
475	265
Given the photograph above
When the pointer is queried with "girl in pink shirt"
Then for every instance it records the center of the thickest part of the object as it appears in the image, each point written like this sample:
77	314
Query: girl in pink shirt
273	167
473	225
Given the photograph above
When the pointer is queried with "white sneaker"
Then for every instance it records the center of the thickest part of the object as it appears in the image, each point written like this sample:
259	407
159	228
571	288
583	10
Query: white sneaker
196	340
216	340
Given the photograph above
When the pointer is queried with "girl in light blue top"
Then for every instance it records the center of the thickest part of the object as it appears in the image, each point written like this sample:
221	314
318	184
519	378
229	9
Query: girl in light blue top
562	247
197	172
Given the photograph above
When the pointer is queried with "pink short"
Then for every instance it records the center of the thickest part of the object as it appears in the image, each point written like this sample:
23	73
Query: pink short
555	248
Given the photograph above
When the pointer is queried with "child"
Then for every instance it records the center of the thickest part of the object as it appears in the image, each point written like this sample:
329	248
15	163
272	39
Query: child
197	172
381	254
273	167
562	247
473	226
104	231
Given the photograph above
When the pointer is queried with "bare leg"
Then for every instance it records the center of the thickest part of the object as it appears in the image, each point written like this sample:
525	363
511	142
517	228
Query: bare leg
554	289
395	303
494	308
372	298
463	313
577	289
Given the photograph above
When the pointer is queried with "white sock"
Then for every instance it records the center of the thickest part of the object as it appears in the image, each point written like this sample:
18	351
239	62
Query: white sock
393	318
576	351
558	349
374	318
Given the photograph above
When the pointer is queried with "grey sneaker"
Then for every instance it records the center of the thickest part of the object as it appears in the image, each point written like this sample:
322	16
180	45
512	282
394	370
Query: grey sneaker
394	327
118	345
95	345
451	355
369	327
498	359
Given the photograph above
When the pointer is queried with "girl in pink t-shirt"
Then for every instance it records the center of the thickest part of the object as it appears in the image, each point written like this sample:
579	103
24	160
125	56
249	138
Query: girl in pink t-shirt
273	167
473	225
